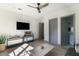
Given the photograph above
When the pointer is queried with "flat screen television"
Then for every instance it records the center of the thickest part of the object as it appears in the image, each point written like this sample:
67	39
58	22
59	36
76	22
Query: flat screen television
23	26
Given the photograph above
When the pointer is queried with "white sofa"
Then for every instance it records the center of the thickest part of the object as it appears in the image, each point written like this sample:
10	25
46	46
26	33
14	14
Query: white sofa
14	41
28	36
26	39
18	40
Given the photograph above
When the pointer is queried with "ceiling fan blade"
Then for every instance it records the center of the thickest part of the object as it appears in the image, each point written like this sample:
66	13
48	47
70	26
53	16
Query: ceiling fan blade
38	9
43	5
31	6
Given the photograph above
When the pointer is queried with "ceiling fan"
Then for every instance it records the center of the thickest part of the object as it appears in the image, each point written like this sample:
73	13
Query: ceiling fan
39	6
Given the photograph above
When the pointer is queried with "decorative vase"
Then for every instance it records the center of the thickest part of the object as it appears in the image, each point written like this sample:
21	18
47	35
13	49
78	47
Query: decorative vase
2	47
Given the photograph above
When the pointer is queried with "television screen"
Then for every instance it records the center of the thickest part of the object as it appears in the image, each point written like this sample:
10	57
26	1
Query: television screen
23	26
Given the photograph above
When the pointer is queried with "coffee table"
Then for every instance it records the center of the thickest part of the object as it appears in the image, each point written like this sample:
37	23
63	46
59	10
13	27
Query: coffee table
42	50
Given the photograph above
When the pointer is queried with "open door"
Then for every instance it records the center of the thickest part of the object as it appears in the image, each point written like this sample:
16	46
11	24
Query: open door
67	31
41	31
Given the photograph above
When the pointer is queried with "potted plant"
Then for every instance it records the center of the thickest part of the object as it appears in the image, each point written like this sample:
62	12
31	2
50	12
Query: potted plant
2	43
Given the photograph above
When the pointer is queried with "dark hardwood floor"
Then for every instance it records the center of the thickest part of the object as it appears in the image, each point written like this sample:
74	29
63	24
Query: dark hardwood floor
57	51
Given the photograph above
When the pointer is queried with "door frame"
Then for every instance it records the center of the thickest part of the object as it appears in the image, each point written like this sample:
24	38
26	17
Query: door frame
49	27
43	29
73	15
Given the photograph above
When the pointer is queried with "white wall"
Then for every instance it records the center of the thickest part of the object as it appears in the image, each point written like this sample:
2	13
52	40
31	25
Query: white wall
59	11
8	23
8	20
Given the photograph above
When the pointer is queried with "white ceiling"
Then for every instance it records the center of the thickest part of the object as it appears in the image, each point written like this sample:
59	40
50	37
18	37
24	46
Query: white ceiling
28	10
25	9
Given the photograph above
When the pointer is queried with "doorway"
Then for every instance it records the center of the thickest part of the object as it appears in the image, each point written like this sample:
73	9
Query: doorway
53	31
67	31
41	31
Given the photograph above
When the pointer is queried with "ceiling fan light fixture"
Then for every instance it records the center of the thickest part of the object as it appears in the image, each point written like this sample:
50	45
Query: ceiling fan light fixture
39	6
38	3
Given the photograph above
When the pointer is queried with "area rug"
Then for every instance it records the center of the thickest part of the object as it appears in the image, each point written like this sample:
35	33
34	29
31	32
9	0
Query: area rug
71	52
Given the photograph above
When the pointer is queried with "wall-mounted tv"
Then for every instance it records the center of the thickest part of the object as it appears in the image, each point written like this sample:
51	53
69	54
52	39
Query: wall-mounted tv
22	26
